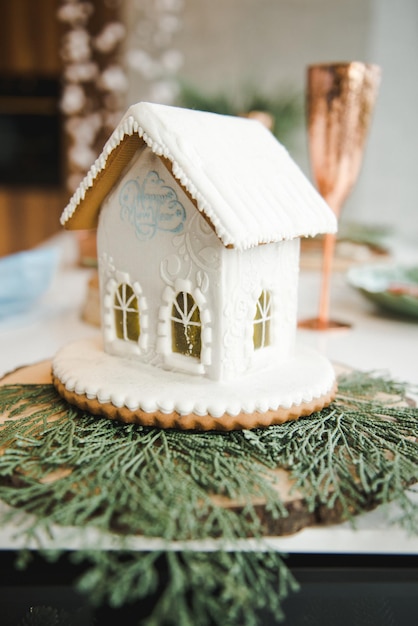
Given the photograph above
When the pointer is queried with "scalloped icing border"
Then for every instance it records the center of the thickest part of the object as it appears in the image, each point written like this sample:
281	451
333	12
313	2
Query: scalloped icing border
191	421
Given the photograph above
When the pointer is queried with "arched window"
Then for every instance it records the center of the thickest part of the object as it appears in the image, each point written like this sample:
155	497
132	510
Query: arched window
262	319
126	312
186	326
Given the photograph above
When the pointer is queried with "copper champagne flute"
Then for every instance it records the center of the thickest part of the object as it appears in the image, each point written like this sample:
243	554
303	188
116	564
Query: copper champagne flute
340	102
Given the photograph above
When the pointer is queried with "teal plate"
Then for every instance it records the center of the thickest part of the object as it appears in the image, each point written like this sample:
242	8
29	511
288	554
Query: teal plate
394	288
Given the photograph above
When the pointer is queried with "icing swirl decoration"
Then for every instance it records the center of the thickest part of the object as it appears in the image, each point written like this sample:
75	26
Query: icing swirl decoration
196	247
199	243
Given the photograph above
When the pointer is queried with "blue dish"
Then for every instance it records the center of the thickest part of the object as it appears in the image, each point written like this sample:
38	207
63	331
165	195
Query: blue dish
24	277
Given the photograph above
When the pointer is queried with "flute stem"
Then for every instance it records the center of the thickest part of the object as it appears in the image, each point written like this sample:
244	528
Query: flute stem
324	301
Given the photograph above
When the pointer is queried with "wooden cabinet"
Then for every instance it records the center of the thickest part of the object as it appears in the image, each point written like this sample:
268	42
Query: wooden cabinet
28	217
33	148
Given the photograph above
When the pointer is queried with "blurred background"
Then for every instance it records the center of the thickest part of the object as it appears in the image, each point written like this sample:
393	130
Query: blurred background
70	68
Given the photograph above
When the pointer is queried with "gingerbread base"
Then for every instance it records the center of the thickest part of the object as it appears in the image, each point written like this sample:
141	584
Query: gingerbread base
134	392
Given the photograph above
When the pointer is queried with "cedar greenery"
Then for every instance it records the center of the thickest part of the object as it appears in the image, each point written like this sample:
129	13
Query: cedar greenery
359	452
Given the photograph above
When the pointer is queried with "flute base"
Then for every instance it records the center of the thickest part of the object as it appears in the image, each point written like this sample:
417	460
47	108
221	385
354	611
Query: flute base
317	323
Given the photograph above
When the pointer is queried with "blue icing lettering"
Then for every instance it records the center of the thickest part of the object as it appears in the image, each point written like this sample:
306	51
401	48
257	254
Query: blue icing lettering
151	206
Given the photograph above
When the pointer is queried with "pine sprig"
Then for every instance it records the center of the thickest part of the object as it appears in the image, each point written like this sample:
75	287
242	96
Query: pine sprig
234	587
66	467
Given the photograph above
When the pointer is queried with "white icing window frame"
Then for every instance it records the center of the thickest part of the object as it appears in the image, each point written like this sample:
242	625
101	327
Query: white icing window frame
173	360
120	346
265	320
263	355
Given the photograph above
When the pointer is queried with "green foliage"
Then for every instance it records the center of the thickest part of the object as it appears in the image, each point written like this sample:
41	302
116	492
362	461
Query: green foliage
286	109
373	235
204	588
358	453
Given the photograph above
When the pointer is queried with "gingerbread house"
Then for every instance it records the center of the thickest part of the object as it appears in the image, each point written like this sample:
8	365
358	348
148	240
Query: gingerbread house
199	218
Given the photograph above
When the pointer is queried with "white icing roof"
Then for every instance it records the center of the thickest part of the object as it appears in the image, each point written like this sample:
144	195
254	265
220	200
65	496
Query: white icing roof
241	178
